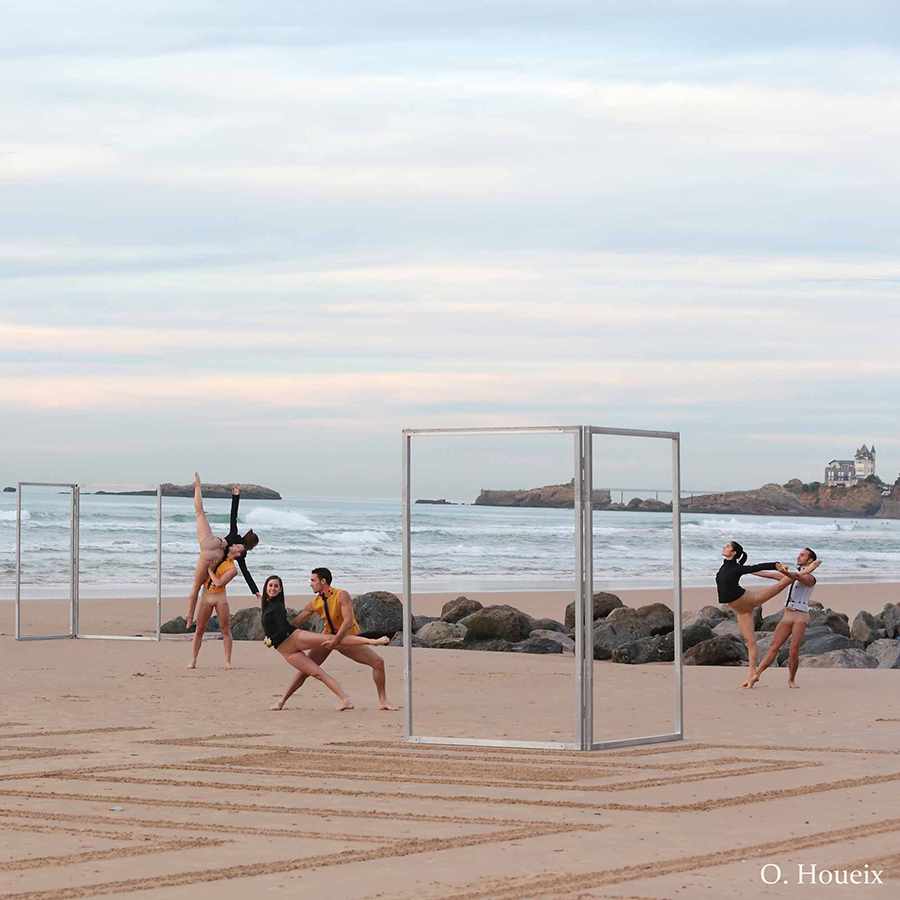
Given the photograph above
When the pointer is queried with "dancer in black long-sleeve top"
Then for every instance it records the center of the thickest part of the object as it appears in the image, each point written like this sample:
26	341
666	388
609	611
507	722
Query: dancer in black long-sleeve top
742	601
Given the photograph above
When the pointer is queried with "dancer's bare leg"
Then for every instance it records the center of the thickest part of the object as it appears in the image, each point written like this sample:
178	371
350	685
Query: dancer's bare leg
203	532
745	623
318	656
799	630
368	657
304	664
782	633
201	574
309	640
224	614
203	614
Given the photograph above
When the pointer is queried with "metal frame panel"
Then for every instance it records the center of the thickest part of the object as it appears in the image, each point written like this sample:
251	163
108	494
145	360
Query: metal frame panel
584	587
72	598
75	560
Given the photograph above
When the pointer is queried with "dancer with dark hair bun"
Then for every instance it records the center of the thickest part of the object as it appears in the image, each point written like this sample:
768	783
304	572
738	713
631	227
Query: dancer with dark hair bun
742	601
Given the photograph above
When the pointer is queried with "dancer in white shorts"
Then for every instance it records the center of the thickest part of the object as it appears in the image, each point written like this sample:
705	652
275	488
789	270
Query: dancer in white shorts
796	615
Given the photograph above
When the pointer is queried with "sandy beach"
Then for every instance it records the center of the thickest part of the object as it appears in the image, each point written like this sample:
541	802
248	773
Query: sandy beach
124	774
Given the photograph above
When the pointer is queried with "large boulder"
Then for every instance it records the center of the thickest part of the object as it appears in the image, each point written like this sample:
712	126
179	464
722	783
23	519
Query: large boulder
886	651
837	622
726	627
657	616
397	641
690	637
604	604
864	628
820	643
643	650
538	645
378	614
454	610
435	632
551	625
502	621
246	624
848	658
454	643
567	644
419	621
495	645
178	625
717	651
707	615
609	636
891	618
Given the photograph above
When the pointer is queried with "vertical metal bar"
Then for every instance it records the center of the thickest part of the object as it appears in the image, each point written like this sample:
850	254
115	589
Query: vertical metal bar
159	562
74	567
579	588
676	554
407	591
18	560
588	589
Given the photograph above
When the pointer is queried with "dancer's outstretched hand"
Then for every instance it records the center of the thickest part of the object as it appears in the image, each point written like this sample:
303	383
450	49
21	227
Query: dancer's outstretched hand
236	490
781	568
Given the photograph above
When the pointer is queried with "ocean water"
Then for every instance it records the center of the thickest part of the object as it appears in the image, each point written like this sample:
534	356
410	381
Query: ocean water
455	548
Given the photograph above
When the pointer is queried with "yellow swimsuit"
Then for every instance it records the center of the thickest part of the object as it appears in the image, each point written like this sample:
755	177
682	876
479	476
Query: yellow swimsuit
224	566
331	612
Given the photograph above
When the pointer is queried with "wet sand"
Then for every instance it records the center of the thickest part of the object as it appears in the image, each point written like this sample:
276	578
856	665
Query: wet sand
125	774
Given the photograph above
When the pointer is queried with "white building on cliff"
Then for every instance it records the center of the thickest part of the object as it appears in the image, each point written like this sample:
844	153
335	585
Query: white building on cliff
850	471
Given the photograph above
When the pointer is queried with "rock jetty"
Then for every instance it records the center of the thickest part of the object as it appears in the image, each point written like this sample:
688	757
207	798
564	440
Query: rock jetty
214	491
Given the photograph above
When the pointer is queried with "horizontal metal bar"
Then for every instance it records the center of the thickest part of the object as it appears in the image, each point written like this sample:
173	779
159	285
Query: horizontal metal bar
635	432
114	637
131	487
44	637
631	742
478	742
45	484
545	429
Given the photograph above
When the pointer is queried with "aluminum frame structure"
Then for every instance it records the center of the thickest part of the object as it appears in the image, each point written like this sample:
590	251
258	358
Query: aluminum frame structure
74	563
582	436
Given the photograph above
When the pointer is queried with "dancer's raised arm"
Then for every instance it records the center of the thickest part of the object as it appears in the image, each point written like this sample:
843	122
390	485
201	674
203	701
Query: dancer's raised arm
233	537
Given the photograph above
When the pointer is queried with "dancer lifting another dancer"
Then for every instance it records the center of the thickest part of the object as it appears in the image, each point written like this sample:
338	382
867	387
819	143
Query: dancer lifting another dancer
292	643
215	568
742	601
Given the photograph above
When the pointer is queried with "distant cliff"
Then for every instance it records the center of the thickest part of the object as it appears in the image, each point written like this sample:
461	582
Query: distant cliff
214	491
551	496
863	500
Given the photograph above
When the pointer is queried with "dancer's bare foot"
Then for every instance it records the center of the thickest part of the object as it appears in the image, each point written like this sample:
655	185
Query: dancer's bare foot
192	664
196	478
228	665
383	704
751	681
796	687
277	706
383	640
347	704
750	677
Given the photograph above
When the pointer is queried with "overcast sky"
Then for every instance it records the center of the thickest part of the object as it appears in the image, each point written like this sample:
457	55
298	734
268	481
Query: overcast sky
260	239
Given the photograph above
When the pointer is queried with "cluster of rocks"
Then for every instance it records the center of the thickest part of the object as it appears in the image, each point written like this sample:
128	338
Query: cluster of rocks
710	636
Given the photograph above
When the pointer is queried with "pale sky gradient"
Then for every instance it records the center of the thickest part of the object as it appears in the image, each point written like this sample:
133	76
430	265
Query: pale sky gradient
262	239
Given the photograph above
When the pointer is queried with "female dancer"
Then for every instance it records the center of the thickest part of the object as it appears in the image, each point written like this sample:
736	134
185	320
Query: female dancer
215	550
213	597
290	642
742	601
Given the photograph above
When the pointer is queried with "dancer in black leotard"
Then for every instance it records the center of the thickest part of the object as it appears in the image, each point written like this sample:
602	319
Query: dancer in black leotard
742	601
291	642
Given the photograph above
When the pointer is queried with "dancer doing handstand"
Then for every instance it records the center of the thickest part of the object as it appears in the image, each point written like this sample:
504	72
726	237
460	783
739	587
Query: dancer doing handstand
215	550
291	642
742	601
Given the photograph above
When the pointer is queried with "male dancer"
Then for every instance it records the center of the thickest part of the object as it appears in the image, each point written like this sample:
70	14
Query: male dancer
796	615
336	608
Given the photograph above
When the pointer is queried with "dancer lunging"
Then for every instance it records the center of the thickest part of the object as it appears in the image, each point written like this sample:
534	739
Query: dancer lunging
215	550
336	609
742	601
292	643
796	616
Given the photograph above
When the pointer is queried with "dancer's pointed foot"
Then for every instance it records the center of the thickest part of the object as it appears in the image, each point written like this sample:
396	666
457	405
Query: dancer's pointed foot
228	665
750	678
347	704
751	681
386	706
383	640
796	687
277	706
192	664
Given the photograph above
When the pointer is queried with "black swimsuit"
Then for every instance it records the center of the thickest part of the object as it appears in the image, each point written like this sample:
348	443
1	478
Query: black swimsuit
275	623
231	539
728	578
